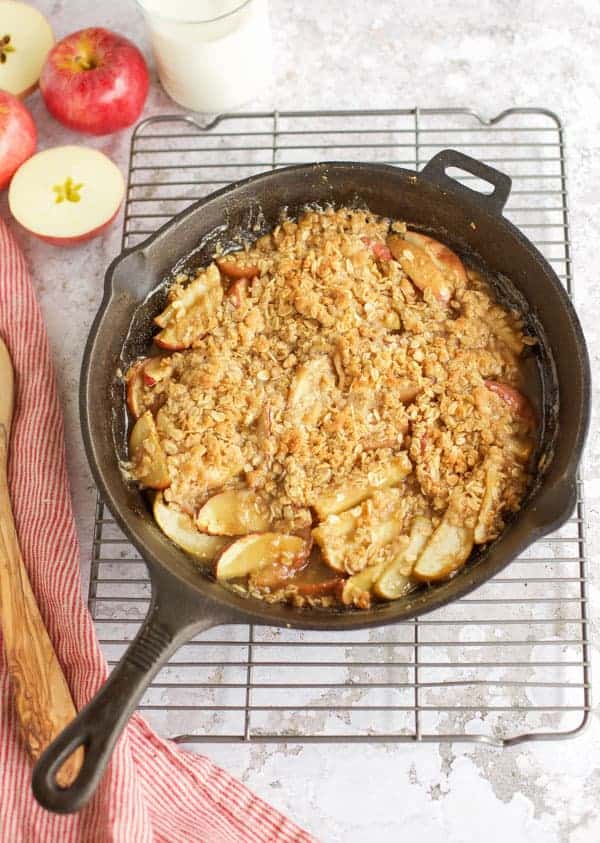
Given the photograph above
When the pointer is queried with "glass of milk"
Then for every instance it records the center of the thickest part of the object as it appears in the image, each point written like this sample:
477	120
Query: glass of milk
212	55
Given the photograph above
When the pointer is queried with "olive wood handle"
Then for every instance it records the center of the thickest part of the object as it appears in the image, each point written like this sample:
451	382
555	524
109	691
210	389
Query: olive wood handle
42	697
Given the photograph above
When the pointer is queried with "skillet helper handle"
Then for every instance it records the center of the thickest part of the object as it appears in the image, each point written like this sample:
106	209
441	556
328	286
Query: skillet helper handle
436	171
173	618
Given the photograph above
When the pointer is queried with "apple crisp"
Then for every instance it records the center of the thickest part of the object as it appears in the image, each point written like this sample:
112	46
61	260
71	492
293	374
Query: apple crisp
336	413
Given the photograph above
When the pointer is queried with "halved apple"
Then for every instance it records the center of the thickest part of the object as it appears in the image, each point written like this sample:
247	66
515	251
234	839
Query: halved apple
445	552
259	550
181	530
192	313
420	267
149	461
67	194
234	513
25	41
395	580
348	494
236	269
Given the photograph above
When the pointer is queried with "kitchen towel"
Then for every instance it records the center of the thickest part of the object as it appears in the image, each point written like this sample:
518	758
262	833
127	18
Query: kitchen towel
152	791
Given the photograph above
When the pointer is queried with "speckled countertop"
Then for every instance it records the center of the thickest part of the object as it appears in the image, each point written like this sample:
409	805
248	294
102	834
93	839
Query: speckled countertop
489	55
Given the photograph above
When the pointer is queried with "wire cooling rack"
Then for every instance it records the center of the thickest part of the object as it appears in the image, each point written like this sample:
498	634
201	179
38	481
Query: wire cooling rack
508	663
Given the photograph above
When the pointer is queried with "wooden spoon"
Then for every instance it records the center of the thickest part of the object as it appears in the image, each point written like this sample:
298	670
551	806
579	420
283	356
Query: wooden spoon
43	700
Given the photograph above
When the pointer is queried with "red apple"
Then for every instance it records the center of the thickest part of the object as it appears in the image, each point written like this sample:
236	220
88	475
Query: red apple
25	40
95	81
66	194
18	136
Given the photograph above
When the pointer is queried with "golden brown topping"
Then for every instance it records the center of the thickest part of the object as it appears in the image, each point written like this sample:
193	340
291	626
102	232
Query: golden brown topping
344	375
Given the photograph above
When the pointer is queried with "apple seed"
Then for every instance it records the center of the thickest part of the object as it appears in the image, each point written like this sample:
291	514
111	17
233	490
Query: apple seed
5	47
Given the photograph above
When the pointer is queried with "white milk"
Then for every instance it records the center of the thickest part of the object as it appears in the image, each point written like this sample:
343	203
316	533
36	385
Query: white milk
212	55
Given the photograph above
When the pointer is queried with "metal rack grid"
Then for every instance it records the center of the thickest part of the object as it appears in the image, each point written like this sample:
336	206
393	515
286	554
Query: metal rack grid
509	662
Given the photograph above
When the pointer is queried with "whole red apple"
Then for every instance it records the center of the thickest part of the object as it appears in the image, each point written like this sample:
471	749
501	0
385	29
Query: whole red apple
95	81
18	136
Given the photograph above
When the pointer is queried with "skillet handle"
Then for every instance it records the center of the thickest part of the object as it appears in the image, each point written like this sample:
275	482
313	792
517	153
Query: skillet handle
436	171
173	618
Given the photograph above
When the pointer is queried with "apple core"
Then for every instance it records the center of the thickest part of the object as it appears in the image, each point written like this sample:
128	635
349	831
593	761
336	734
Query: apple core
67	191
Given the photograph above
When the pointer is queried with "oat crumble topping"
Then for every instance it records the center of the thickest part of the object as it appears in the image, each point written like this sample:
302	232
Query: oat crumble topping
340	355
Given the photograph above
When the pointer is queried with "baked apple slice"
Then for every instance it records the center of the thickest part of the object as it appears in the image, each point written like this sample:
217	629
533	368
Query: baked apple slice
444	258
420	267
141	375
341	546
180	528
309	387
518	403
446	551
135	389
309	580
357	588
156	369
333	536
149	461
234	269
324	587
395	579
378	248
251	553
192	313
237	292
234	513
489	503
346	495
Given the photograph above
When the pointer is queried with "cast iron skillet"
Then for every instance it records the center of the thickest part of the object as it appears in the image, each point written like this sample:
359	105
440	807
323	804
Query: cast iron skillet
185	602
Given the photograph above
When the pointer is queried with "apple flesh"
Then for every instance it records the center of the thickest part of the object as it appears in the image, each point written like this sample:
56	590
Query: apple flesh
95	81
416	259
234	513
180	528
149	461
235	271
18	136
192	314
445	552
25	41
260	550
67	194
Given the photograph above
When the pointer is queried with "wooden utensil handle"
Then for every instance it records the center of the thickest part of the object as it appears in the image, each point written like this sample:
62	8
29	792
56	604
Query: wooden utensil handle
42	696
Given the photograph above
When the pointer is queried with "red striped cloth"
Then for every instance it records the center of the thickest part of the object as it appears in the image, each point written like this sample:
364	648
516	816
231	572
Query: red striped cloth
152	791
